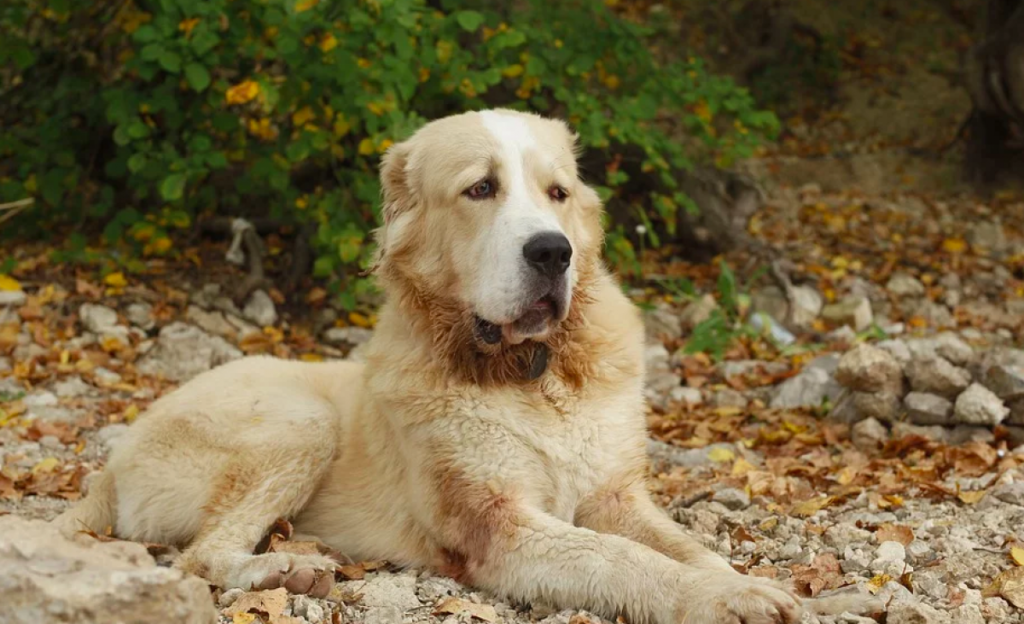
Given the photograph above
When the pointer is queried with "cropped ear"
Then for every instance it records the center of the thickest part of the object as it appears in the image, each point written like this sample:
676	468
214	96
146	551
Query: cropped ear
397	201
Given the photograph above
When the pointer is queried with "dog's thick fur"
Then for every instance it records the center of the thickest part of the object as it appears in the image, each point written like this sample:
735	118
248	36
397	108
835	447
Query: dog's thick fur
442	451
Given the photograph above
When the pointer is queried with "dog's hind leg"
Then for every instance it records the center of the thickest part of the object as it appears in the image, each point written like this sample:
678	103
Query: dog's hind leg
253	491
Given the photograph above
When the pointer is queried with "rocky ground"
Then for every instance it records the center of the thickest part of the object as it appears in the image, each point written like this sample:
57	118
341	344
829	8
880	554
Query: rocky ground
873	445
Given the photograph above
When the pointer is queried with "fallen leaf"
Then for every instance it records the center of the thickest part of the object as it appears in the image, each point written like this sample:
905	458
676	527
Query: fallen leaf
9	283
878	582
455	606
270	603
971	498
721	454
1017	555
810	507
115	280
894	533
1009	585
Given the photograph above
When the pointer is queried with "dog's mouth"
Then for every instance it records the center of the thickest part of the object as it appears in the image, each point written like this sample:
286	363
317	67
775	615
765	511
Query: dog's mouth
535	321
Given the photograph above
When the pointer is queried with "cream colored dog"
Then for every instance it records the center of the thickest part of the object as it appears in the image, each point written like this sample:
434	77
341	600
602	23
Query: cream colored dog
496	433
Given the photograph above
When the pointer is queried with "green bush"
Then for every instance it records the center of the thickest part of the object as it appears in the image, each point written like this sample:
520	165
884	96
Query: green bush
141	116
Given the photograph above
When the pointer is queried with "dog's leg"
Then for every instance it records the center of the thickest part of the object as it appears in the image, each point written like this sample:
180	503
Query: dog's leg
627	510
249	496
535	557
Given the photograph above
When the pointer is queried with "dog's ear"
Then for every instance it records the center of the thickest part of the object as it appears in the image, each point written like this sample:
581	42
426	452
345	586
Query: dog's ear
397	199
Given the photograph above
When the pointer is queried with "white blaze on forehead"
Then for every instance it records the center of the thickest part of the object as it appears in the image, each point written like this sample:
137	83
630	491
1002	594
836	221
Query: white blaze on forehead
503	275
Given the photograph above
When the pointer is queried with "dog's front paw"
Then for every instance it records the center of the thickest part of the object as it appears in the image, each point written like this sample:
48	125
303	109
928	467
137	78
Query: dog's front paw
731	598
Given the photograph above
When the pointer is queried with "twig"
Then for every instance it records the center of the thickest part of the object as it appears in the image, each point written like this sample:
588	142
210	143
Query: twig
21	203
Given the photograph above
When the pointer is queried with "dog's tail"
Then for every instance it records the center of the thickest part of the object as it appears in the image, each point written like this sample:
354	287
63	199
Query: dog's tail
95	513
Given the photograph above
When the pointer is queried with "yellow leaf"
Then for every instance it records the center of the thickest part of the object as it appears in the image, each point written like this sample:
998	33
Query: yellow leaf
878	582
242	92
1009	585
366	147
741	467
115	280
9	283
243	618
305	5
311	357
721	454
810	507
384	145
301	116
954	245
1017	555
728	410
971	498
359	320
512	71
46	465
328	43
187	25
131	413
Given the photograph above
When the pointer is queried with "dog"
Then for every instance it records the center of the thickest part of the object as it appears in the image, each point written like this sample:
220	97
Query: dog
495	434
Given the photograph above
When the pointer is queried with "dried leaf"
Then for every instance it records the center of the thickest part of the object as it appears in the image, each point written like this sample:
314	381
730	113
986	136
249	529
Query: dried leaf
721	454
455	606
270	603
1009	585
878	582
1017	555
808	508
971	498
9	283
894	533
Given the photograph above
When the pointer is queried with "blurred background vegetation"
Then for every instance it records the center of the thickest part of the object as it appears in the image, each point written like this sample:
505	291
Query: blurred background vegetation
129	125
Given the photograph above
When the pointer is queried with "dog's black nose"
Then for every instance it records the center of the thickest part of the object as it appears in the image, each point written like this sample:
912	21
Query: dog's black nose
549	253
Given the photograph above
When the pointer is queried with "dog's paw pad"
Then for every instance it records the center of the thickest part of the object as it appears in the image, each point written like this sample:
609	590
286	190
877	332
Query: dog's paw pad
312	581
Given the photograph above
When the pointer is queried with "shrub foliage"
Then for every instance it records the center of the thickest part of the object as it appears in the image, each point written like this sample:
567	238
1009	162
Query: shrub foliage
140	116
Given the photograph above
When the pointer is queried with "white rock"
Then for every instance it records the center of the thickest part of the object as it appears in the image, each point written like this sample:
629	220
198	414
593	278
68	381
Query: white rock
935	375
686	395
869	369
697	312
897	349
12	298
183	351
97	318
357	336
260	309
807	304
910	612
47	579
890	551
928	409
106	377
732	498
869	434
810	388
662	322
905	285
977	405
141	315
71	387
854	312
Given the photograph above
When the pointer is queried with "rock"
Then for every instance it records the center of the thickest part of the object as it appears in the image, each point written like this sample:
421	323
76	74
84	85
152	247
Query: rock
945	345
306	607
727	397
386	590
853	406
841	336
260	309
697	312
689	458
869	434
685	395
928	409
141	315
869	369
935	375
897	349
891	551
807	304
71	387
12	298
811	388
1006	382
920	552
761	321
732	498
662	322
905	285
45	578
183	351
909	612
219	323
354	336
97	318
106	377
1012	493
977	405
933	314
771	301
854	312
987	237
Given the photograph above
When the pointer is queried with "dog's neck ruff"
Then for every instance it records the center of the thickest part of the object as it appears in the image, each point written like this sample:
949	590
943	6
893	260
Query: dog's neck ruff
471	353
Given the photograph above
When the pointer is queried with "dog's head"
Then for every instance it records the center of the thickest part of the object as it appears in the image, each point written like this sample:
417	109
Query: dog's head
485	211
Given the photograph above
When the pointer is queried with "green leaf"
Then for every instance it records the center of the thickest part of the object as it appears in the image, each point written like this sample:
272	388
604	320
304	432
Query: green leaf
203	41
727	288
469	20
197	76
173	186
136	162
170	61
137	129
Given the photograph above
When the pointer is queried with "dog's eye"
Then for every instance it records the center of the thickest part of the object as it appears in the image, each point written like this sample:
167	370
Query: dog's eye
481	190
558	193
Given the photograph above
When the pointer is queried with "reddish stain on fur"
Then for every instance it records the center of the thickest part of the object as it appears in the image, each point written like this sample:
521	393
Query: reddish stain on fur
477	521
